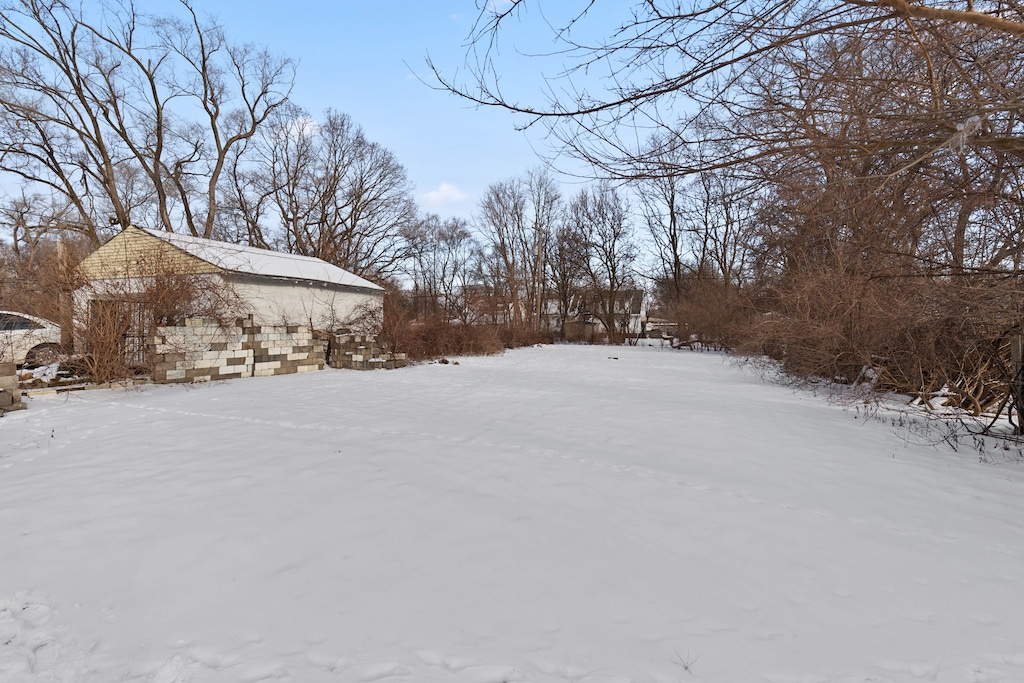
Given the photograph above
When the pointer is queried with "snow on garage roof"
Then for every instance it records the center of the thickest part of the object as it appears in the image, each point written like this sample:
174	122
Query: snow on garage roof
254	261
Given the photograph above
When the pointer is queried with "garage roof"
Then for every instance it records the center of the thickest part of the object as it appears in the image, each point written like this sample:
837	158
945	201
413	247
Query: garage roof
254	261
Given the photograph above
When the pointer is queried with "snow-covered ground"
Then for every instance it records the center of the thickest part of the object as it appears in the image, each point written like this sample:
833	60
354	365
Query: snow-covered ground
554	514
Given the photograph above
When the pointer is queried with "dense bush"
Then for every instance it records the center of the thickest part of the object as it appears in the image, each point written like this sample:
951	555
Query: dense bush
435	336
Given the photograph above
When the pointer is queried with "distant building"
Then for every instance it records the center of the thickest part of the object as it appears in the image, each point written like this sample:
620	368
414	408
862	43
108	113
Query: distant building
582	320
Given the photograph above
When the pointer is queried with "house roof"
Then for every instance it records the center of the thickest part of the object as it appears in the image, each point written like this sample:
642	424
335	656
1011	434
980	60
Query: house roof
236	258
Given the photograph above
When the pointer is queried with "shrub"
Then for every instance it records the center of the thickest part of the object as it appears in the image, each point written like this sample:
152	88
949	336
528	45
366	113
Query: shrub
433	335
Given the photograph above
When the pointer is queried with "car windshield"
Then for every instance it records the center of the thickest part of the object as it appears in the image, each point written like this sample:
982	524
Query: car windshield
10	323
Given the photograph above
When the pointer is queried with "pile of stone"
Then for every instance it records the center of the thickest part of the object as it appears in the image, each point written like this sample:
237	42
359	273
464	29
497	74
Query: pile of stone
363	352
10	394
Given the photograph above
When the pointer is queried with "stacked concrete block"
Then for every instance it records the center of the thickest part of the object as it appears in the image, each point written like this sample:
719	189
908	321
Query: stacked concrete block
203	350
283	350
363	352
10	394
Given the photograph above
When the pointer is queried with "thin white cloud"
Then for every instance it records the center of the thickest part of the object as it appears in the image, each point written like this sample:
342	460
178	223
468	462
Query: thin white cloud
446	193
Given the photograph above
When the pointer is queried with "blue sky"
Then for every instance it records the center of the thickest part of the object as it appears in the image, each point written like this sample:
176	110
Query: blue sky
363	58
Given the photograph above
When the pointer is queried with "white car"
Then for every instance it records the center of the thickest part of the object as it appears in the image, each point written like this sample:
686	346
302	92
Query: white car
28	340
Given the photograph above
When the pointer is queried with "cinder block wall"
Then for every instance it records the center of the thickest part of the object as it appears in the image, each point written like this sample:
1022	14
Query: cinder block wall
10	394
363	352
202	350
283	350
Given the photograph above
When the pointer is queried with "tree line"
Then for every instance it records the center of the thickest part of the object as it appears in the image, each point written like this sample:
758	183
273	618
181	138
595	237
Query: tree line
112	117
835	184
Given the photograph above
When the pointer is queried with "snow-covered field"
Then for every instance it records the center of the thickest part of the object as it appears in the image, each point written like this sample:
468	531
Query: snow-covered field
553	514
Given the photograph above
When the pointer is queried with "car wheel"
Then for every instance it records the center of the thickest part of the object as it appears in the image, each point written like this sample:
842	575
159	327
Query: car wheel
44	354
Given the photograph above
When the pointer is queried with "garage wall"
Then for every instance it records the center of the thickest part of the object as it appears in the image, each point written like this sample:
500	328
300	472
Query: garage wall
322	308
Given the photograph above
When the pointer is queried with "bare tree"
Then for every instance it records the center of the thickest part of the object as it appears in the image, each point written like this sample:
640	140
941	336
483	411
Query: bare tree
237	86
662	203
599	218
320	188
97	109
515	216
443	255
567	277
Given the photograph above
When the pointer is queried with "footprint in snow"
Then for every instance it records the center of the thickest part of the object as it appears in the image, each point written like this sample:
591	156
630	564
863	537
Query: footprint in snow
916	670
15	664
35	615
329	662
28	651
212	658
494	674
453	664
253	672
1014	659
375	672
174	670
566	671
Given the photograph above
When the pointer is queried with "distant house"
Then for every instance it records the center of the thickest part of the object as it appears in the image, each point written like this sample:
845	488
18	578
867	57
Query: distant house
273	287
583	320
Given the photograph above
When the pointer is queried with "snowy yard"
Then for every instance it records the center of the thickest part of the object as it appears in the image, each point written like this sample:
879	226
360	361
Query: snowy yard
552	514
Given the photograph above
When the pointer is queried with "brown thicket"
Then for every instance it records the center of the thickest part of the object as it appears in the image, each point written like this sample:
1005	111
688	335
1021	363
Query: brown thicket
888	246
434	335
